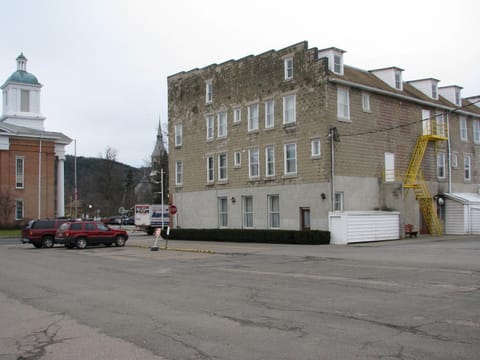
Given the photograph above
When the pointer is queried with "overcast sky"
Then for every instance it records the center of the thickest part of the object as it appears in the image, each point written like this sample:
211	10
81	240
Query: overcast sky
104	63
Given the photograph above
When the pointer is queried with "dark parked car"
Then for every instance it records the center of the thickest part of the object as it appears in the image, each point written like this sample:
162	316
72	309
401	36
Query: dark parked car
81	234
41	232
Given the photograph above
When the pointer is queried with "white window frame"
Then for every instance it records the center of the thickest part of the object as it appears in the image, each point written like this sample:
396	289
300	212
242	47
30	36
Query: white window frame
178	172
237	115
210	120
338	201
253	163
210	168
208	92
289	109
222	167
476	131
253	117
289	161
441	165
434	90
19	209
178	135
463	128
19	172
338	64
454	161
222	124
247	211
288	68
269	114
222	204
467	167
440	121
273	209
343	104
237	159
366	102
398	80
316	148
269	161
389	159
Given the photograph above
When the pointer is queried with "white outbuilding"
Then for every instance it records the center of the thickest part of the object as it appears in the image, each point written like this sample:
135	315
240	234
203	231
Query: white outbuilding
462	213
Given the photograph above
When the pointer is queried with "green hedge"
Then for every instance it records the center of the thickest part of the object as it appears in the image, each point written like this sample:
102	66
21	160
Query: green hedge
312	237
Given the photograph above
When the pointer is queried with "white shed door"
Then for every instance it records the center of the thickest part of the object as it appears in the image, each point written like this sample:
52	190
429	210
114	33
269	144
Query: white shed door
475	220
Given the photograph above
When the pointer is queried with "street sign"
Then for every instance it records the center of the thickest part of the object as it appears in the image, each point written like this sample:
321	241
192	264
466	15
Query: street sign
173	209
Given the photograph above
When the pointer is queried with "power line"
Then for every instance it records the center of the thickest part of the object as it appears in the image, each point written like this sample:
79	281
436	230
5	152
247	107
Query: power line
410	123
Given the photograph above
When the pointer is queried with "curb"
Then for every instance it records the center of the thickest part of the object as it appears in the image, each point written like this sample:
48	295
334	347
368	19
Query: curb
175	249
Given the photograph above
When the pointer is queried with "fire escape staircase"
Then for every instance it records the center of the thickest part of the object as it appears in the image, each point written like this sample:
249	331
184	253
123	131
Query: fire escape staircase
414	180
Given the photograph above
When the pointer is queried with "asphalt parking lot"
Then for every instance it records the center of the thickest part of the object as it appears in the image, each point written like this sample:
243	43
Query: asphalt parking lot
408	299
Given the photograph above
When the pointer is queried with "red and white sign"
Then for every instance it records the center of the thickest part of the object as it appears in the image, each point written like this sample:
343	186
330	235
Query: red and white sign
173	209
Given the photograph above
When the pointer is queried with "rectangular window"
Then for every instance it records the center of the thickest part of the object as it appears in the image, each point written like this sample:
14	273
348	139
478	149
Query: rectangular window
440	123
389	167
434	90
273	211
237	115
253	163
237	158
247	211
210	127
25	101
222	167
208	91
458	100
222	124
338	206
179	172
269	117
290	156
398	80
426	122
269	161
476	131
178	135
441	165
289	109
467	167
337	64
316	149
20	173
210	169
343	104
366	102
463	128
222	212
253	117
288	66
18	209
454	161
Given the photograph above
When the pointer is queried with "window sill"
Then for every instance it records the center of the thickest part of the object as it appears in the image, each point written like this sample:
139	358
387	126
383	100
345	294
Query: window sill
290	176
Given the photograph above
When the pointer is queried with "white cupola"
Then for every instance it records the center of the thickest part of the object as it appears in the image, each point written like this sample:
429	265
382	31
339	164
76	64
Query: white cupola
21	98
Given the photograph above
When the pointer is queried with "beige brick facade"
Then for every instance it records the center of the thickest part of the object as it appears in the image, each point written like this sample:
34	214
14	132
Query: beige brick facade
392	124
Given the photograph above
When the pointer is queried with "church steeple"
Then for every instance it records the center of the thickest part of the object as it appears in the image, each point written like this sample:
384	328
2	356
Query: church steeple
22	62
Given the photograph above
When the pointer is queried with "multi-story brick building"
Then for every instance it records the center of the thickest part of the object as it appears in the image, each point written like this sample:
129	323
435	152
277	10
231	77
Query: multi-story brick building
281	139
31	159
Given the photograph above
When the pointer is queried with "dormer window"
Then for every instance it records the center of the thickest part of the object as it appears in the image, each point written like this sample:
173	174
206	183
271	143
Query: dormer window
392	76
288	68
427	86
335	59
398	80
434	90
452	93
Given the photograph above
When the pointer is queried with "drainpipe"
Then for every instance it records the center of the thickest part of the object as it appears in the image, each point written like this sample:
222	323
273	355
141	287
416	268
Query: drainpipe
40	179
333	135
449	150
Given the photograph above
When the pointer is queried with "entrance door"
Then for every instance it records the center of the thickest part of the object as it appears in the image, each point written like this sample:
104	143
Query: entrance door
305	218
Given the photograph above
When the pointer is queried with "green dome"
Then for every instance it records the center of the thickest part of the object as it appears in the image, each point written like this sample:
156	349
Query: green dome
21	76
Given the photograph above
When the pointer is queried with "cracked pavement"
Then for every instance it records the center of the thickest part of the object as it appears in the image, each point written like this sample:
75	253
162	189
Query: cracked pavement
403	300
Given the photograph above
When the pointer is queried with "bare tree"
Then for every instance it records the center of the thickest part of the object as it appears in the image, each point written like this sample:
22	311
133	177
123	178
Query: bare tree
7	205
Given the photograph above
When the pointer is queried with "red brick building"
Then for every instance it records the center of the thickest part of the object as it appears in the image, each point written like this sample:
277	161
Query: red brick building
31	159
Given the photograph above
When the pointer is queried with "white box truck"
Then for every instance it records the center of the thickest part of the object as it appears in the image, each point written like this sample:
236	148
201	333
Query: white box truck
149	217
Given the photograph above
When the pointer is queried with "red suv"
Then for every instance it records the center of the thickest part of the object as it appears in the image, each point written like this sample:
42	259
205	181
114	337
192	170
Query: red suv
41	232
80	234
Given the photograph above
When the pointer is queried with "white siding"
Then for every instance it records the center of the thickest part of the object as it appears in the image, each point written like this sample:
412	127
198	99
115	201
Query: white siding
353	227
455	222
475	220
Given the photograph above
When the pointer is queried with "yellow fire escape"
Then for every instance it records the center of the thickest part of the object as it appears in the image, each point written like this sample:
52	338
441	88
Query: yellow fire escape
433	130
